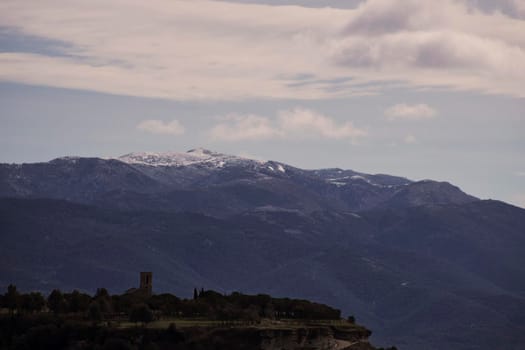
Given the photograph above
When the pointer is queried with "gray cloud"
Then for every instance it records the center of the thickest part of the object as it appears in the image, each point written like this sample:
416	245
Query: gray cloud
300	52
381	17
513	8
343	4
445	41
13	40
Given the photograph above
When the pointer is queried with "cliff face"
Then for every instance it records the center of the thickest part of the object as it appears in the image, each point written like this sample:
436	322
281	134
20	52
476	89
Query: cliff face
301	337
321	338
48	332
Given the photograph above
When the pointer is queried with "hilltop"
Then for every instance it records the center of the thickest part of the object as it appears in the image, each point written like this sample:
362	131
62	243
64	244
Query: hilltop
138	320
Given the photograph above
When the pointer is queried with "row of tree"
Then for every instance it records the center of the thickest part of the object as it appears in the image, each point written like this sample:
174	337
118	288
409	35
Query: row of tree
140	307
96	308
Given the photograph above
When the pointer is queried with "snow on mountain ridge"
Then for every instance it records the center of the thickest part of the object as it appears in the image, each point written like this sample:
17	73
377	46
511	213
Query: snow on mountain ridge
201	157
191	157
216	160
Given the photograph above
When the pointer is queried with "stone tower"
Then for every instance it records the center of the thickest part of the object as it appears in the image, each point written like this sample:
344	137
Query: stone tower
146	282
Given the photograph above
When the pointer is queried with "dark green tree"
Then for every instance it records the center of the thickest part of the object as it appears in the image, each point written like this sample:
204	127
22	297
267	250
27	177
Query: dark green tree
78	302
101	293
269	311
141	313
94	313
104	300
12	298
251	314
167	304
32	302
56	301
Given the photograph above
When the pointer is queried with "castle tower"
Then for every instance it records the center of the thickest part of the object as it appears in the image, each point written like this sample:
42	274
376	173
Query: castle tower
146	282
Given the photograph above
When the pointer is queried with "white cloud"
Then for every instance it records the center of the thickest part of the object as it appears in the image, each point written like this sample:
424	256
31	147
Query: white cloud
520	173
194	50
410	139
155	126
244	127
305	122
404	111
293	123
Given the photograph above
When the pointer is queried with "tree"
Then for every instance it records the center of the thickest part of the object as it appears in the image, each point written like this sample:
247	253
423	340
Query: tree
104	300
94	313
195	294
166	303
56	301
141	313
251	314
269	311
102	293
12	298
32	302
78	302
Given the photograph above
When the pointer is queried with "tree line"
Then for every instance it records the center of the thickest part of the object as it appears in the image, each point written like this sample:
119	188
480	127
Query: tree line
137	306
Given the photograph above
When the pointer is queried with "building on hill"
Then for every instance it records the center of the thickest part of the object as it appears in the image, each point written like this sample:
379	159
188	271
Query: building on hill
146	282
145	286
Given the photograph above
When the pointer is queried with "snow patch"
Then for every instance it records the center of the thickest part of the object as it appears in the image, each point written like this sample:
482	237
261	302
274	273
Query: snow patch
70	159
192	157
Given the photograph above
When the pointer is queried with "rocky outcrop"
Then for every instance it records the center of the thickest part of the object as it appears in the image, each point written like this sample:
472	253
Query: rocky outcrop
300	337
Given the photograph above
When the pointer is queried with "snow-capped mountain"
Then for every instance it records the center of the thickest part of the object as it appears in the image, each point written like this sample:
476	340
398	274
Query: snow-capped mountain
191	157
371	244
214	160
219	183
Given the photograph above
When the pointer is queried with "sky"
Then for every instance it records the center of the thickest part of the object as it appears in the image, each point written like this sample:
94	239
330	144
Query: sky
421	89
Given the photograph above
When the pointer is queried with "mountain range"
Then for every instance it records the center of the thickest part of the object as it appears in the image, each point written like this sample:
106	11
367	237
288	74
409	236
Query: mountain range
422	263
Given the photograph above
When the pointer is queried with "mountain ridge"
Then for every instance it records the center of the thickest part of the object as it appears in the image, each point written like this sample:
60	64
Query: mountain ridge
421	262
158	174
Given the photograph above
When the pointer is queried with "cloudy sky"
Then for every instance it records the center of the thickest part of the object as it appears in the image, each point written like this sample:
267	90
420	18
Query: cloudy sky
422	89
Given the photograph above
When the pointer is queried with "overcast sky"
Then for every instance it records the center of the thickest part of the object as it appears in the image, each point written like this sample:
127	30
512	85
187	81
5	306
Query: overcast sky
422	89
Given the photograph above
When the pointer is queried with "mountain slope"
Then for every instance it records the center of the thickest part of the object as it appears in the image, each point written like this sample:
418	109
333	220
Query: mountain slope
355	263
424	264
228	184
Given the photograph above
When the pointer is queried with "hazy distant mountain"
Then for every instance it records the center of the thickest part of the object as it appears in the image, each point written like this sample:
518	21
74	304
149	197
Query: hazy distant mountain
422	263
